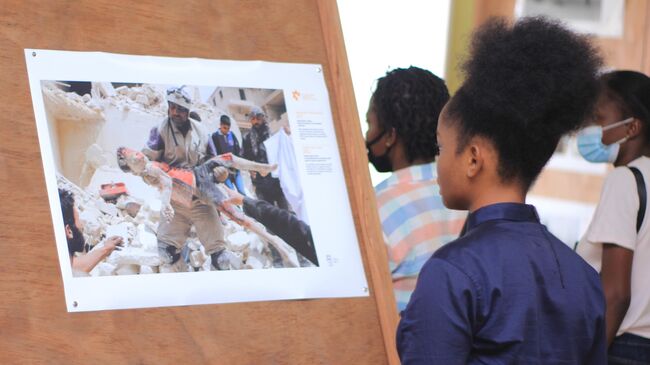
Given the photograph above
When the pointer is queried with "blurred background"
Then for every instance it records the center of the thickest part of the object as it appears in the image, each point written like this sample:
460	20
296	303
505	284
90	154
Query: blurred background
384	34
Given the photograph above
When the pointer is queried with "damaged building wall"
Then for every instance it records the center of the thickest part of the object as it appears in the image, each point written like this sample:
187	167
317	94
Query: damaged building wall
239	101
75	122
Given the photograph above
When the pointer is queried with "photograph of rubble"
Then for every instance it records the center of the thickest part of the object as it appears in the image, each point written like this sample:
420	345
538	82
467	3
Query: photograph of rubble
159	178
188	181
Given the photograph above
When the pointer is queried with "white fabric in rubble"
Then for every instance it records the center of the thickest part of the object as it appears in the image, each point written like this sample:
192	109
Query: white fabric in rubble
279	150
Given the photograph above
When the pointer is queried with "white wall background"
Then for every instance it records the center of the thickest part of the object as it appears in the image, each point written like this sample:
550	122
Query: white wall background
384	34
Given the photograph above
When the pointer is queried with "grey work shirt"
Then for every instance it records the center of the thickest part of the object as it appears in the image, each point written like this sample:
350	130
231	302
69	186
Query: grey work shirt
167	144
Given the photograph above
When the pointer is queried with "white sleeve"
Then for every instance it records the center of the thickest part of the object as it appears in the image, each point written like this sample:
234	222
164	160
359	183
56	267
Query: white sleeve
615	217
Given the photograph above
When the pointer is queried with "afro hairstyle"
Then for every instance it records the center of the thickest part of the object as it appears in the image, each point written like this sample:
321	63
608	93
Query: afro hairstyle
527	84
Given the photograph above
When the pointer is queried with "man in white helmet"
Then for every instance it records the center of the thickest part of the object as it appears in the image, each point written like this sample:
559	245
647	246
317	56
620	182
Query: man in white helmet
182	142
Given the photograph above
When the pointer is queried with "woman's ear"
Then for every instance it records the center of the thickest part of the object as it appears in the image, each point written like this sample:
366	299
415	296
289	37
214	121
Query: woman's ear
474	158
68	232
634	128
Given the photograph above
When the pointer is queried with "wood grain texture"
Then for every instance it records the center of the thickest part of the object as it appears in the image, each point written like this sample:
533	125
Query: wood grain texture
34	324
366	212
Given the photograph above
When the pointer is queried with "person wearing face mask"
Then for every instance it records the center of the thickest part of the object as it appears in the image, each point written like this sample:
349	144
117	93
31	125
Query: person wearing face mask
183	143
401	138
617	242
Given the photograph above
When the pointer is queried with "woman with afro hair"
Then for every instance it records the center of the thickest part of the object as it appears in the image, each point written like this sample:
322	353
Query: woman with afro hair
508	291
402	119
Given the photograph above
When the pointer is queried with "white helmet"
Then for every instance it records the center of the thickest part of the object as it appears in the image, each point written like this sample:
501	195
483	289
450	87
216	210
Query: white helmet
180	97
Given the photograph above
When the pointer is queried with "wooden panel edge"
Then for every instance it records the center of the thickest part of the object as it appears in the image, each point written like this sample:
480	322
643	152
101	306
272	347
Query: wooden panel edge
362	198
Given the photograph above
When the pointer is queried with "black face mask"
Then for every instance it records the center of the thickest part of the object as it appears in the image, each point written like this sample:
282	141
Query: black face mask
381	163
77	242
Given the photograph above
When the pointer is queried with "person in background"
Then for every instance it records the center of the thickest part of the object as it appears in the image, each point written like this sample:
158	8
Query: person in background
85	262
508	291
401	138
267	188
280	222
194	115
617	242
225	141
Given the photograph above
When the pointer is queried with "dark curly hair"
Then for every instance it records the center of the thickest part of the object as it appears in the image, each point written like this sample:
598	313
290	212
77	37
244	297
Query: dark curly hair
67	206
526	85
410	101
631	92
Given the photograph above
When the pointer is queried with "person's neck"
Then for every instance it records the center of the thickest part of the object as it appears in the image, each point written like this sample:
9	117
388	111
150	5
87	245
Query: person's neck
630	154
399	160
494	194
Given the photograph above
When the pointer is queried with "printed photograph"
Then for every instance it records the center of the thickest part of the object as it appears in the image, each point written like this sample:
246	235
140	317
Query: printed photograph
175	178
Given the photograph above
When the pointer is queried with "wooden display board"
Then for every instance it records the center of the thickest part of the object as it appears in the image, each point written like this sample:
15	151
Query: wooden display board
34	324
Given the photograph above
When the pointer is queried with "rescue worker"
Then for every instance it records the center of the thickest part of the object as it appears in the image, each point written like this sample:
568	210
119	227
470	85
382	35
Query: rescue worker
182	142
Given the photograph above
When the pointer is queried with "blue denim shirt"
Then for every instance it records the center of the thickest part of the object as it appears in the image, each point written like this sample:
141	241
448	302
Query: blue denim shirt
507	292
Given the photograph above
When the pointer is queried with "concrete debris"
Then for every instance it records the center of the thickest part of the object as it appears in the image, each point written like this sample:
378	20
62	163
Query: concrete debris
95	158
198	258
103	269
146	98
123	116
148	270
128	270
254	263
125	230
70	106
239	241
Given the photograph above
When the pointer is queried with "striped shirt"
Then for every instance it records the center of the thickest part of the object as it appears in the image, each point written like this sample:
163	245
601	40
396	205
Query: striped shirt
415	224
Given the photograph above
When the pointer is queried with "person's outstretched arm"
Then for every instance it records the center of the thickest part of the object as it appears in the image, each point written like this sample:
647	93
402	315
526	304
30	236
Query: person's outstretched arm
284	224
87	262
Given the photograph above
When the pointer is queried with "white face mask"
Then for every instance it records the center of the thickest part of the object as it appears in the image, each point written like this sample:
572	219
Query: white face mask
591	147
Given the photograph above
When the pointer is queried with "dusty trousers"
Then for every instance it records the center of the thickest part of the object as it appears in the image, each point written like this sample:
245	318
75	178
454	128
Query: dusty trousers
206	221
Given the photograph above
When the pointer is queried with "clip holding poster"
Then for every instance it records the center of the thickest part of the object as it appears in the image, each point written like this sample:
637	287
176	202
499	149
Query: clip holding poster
152	124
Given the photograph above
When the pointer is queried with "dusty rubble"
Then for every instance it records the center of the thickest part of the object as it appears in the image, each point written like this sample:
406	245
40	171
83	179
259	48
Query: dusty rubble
139	255
135	216
61	104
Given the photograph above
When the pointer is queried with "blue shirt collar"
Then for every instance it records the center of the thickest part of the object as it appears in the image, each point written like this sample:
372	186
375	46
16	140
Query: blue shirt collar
502	211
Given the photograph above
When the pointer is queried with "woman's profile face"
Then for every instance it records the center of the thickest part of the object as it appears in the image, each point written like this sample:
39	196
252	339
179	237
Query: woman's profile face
449	164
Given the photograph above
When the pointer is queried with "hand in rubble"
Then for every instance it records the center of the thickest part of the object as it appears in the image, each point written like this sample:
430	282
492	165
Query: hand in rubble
167	212
234	197
113	243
